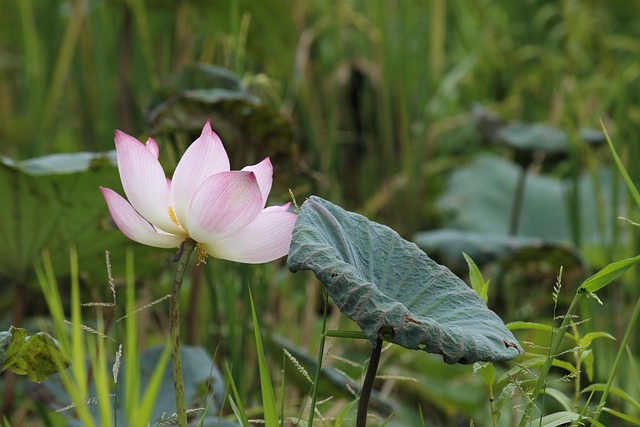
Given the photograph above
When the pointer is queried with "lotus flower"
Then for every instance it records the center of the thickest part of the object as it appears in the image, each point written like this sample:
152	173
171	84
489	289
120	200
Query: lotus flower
222	210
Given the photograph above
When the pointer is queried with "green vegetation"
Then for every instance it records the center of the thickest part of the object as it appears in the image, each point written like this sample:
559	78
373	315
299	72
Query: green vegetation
466	126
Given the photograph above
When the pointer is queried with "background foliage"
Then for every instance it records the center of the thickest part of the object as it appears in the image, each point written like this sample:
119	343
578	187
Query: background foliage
369	104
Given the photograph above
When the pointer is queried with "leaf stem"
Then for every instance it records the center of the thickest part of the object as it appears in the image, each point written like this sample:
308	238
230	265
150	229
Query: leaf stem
367	385
182	257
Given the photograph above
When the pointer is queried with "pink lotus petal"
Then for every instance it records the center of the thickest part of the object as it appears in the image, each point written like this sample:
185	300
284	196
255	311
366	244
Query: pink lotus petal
223	204
264	175
267	238
144	181
205	157
153	147
135	226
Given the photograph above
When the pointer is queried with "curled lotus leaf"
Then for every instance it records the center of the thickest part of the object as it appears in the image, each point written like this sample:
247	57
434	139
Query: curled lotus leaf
393	290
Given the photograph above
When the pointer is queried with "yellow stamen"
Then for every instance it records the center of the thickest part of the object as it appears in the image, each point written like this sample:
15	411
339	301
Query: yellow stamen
174	218
202	254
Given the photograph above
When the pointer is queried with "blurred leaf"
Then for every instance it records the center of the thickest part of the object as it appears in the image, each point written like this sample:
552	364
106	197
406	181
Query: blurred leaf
198	371
529	136
393	290
623	416
250	129
608	274
616	391
37	356
479	197
53	202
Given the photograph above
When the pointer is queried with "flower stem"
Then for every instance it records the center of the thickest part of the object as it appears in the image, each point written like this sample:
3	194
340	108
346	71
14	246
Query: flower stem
367	385
182	257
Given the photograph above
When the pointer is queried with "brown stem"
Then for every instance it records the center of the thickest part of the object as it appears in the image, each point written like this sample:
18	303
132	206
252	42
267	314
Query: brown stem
367	385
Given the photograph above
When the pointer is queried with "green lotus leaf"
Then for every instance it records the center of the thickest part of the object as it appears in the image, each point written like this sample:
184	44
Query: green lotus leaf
479	197
447	245
522	136
37	356
53	202
393	290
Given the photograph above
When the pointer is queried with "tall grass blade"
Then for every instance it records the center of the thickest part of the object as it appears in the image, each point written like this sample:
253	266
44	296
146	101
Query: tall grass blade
131	355
630	185
146	407
236	401
268	397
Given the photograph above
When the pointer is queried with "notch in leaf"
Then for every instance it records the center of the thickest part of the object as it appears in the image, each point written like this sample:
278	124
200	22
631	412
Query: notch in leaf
394	291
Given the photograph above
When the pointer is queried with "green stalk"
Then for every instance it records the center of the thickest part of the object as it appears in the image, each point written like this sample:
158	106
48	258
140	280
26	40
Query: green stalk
616	362
367	385
316	379
553	351
182	257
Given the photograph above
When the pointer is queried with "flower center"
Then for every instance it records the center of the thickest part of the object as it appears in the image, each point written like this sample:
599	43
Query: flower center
174	218
202	254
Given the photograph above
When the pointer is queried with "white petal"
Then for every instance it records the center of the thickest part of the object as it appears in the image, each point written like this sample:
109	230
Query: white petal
135	226
144	181
264	175
267	238
224	204
205	157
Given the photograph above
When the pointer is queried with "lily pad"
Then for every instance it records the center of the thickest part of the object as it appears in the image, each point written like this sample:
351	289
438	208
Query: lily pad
393	290
447	245
479	197
522	136
53	202
37	356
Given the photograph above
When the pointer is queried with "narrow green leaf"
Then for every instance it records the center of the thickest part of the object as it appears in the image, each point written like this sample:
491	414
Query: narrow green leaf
558	419
627	418
632	188
268	397
608	274
146	407
477	281
587	360
586	340
347	410
560	397
616	391
235	401
513	326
